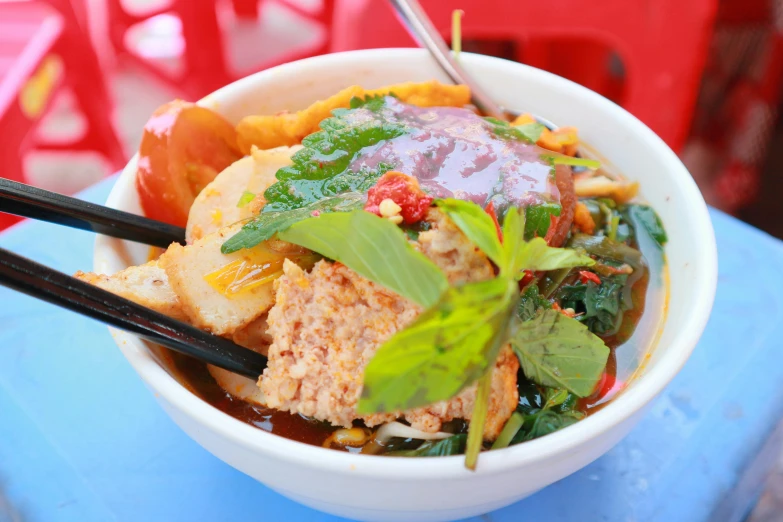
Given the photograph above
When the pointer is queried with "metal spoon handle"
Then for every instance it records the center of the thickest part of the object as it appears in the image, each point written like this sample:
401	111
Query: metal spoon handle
421	28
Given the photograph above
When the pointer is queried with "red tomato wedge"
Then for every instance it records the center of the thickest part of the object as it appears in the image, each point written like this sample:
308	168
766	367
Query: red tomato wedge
183	148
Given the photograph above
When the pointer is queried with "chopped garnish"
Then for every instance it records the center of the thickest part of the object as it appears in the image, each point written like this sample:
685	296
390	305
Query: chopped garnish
403	192
586	275
246	198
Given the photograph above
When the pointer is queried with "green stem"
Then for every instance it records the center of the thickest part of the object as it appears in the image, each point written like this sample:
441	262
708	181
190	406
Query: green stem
456	32
509	430
478	420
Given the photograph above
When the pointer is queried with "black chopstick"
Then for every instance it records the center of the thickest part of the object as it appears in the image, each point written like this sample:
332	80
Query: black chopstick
42	282
43	205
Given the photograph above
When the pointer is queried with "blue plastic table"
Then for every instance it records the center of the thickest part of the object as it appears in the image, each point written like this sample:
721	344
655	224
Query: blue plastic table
82	440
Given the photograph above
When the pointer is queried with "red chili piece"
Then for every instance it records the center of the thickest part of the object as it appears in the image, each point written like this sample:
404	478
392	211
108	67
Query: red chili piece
490	209
403	190
586	275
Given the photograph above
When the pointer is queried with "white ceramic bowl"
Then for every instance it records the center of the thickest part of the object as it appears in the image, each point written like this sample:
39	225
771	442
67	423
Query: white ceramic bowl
382	488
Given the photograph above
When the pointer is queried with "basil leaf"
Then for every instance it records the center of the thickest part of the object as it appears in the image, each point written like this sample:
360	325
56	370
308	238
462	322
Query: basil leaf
645	216
267	224
476	224
560	352
447	348
531	302
513	227
246	198
374	248
538	218
544	422
529	132
453	445
537	256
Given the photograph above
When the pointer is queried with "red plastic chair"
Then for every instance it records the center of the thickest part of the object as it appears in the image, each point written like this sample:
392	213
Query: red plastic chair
204	67
43	49
662	44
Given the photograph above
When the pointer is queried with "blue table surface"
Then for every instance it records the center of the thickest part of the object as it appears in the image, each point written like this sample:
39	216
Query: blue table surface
82	439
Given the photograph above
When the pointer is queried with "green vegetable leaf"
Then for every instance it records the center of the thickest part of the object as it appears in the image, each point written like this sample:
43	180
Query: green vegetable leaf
374	248
267	224
537	256
321	168
555	397
531	302
645	216
529	132
560	352
447	348
538	218
476	224
246	198
543	423
453	445
601	306
513	226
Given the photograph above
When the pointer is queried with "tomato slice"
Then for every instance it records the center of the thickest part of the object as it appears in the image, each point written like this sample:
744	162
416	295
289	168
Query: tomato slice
183	148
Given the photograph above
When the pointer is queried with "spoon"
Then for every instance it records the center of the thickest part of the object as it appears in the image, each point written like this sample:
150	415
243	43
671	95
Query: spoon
422	29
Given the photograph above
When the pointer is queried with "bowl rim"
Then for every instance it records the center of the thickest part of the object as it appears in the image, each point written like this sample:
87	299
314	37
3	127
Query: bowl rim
623	407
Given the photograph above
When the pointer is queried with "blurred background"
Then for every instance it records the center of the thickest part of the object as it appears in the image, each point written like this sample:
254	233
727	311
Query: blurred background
79	78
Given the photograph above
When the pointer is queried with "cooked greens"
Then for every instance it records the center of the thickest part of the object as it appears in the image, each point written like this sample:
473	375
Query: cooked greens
558	351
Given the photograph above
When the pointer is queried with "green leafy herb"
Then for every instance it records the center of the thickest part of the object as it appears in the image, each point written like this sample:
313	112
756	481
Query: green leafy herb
267	224
374	248
320	169
476	224
245	198
531	302
606	248
538	218
555	397
601	306
453	445
536	255
560	352
561	159
513	243
529	132
645	216
447	348
544	422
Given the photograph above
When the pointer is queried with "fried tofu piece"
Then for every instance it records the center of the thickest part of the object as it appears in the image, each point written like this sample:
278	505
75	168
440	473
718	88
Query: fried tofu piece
145	284
583	220
206	306
266	132
327	324
216	206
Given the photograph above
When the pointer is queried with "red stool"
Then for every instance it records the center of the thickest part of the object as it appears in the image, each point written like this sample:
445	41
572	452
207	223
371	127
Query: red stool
204	67
43	49
662	44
